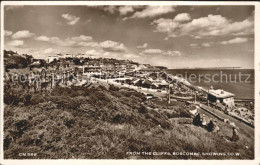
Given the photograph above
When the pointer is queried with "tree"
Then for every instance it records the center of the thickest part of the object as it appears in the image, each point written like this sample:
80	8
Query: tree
77	61
43	63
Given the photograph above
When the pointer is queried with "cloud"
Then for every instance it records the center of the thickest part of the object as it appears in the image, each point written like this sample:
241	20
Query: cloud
88	44
48	51
107	8
15	43
152	11
42	38
110	9
143	11
142	46
96	53
79	41
8	33
93	52
211	25
173	53
22	34
193	45
182	17
234	41
81	38
130	56
206	44
87	21
70	19
161	52
166	26
152	51
123	10
113	46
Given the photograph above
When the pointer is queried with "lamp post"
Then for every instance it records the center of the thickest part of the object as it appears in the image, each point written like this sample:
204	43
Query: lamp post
169	96
196	92
208	97
195	97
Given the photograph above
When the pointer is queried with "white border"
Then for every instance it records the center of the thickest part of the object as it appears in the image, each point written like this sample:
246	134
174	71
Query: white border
257	83
200	162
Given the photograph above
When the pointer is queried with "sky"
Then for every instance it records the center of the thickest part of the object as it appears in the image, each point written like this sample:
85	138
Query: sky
171	36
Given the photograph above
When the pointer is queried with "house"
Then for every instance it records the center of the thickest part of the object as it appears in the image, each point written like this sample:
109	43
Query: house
52	58
108	67
160	83
221	96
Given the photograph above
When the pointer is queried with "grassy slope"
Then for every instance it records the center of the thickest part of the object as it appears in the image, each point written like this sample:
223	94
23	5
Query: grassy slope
102	123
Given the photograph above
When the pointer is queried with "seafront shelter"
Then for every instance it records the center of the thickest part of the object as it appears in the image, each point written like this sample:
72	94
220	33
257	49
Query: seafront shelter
221	96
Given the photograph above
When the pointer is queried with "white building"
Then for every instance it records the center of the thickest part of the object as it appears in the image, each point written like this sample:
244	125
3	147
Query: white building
221	96
52	58
67	55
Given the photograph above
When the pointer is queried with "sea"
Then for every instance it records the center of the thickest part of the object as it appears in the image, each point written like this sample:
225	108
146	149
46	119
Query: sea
237	81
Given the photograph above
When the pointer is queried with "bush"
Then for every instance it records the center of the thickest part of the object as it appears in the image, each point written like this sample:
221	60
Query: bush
113	88
37	98
59	91
142	109
46	106
15	95
64	123
27	99
102	88
184	113
120	118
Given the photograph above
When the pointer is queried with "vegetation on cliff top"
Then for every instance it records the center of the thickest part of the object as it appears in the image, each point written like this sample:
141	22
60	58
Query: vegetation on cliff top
100	122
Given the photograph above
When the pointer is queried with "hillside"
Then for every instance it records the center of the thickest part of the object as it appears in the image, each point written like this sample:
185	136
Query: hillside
14	60
100	122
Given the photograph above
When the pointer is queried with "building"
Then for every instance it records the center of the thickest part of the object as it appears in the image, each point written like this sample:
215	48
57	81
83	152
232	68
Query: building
52	58
65	55
109	67
221	96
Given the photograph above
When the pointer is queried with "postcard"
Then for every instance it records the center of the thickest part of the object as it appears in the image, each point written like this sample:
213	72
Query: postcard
145	81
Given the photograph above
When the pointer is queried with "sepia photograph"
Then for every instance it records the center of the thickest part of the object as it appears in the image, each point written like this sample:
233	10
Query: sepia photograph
130	81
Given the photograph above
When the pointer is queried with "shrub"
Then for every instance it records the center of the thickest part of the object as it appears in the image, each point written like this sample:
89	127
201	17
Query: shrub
47	105
14	95
27	99
119	118
113	88
37	98
142	109
103	120
102	88
184	113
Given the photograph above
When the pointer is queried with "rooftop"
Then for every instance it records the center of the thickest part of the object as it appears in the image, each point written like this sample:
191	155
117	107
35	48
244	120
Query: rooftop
219	93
